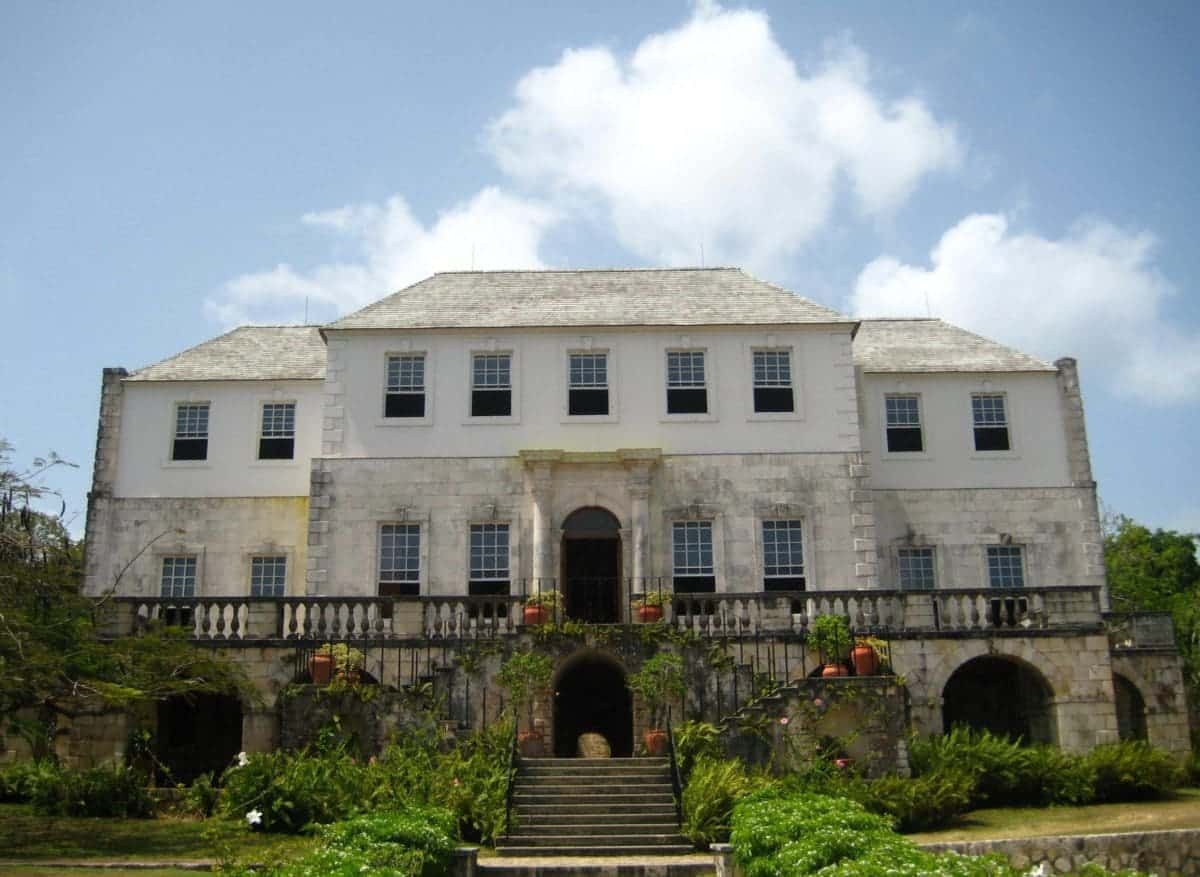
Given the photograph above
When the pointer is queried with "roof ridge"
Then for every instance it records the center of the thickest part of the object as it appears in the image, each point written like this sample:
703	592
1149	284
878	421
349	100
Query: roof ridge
593	270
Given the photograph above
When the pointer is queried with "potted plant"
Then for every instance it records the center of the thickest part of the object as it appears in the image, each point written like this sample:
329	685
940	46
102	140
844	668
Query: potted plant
830	634
658	682
542	607
336	659
867	656
648	607
522	676
320	666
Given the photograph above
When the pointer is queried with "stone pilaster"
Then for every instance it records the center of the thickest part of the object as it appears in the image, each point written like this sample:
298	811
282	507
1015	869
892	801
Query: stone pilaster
104	473
1079	462
640	466
333	413
320	504
539	486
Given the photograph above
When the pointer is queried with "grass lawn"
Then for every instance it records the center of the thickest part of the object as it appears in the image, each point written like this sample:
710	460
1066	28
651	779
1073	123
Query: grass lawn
1183	811
26	837
42	871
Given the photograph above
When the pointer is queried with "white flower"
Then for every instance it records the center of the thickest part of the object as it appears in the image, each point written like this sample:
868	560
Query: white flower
1038	871
254	817
242	759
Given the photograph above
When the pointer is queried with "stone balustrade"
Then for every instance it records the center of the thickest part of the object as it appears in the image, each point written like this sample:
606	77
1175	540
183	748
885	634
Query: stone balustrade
722	614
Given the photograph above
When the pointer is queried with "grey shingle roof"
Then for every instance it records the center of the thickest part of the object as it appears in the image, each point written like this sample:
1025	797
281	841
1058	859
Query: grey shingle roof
662	297
929	345
248	353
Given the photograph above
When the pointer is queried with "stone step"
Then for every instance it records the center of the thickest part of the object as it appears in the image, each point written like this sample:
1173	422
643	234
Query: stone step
601	762
585	789
589	810
588	839
594	776
594	781
608	798
540	830
575	850
552	816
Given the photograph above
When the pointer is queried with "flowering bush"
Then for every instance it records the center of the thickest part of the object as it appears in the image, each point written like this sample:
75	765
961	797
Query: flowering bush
293	790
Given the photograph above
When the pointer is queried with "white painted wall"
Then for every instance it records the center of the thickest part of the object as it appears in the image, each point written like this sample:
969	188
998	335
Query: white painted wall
144	465
825	419
1039	449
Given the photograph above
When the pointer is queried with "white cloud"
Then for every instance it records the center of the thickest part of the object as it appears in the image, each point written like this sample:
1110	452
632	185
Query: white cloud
1093	293
492	230
708	135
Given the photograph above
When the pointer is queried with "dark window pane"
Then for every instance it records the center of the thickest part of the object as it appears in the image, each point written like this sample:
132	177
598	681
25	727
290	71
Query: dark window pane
784	583
275	448
399	589
903	438
694	584
991	438
190	449
491	403
404	405
769	399
588	402
687	401
488	589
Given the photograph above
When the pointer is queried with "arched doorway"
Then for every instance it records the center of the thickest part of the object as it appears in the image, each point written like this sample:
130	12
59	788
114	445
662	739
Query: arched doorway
590	696
198	733
1001	695
1131	709
591	565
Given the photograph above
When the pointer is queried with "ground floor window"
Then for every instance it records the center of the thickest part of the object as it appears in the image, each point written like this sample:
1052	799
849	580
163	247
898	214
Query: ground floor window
916	570
489	559
399	560
692	552
268	576
783	555
179	576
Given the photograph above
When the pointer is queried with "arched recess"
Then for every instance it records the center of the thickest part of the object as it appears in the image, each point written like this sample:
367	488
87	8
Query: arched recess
198	733
1131	709
590	696
1003	695
591	565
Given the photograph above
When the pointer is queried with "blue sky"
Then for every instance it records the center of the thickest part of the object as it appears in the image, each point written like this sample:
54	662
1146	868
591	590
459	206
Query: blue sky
1025	169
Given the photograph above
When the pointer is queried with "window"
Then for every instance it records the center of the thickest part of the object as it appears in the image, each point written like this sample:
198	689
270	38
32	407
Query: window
399	560
1005	566
491	385
783	556
179	576
489	559
268	576
587	383
903	424
277	441
693	556
405	394
773	381
686	391
191	431
991	422
916	568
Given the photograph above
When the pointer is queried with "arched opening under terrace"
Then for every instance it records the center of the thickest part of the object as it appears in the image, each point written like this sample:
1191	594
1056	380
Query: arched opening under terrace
198	734
590	696
1131	709
1003	695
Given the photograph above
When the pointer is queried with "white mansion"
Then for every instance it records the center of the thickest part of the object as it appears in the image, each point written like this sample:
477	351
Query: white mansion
480	436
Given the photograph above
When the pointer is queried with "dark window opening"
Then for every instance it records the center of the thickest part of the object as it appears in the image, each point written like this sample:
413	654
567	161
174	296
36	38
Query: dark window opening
991	438
276	448
769	400
904	438
584	402
404	405
784	583
399	589
694	584
488	589
190	449
491	403
687	401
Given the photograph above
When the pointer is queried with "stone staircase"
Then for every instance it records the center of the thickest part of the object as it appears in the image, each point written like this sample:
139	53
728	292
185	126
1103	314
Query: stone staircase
594	807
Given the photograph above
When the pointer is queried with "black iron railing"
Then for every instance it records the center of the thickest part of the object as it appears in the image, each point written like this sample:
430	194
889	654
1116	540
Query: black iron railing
676	782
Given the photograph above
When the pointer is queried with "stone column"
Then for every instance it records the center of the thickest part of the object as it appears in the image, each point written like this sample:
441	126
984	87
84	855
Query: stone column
639	464
539	484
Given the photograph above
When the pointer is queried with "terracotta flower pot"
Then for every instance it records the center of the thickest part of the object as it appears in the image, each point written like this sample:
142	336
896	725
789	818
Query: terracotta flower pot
656	742
648	614
866	662
536	615
834	670
531	744
320	669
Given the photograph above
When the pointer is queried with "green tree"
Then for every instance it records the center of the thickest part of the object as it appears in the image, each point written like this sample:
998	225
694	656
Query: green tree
53	662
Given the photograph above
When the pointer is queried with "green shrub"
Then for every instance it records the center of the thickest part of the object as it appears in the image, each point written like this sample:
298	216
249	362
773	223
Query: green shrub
920	803
713	789
694	740
202	796
1052	776
19	780
292	791
1133	771
110	791
407	769
471	781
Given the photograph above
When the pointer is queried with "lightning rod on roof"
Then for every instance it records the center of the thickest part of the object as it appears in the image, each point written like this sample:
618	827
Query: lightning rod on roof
928	312
306	310
702	255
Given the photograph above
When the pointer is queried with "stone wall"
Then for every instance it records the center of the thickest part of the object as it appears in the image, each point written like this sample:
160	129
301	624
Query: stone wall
1155	852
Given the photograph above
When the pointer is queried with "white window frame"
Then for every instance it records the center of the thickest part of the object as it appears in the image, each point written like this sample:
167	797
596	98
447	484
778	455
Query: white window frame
792	384
566	416
173	557
514	386
1009	454
709	386
1021	554
905	455
422	558
427	418
271	556
472	579
174	433
699	525
259	433
898	555
801	528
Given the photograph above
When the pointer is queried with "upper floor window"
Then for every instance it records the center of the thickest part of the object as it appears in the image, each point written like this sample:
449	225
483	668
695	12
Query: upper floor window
692	550
491	385
991	422
489	559
687	391
783	556
179	576
1006	566
773	381
277	438
587	379
904	423
915	565
405	393
268	576
191	431
399	560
